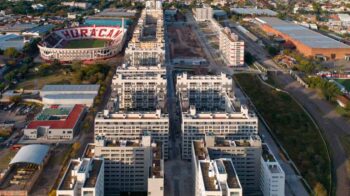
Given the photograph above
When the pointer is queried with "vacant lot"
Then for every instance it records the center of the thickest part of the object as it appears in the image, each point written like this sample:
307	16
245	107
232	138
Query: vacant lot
293	128
184	43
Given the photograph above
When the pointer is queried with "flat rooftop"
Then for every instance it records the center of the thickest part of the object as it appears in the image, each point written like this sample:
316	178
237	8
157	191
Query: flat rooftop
253	11
82	87
232	178
93	174
302	34
200	150
209	180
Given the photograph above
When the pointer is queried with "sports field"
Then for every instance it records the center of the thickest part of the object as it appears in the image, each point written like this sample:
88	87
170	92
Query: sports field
345	83
87	43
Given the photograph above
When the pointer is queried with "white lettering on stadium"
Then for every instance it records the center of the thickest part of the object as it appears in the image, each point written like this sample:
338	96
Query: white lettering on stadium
91	32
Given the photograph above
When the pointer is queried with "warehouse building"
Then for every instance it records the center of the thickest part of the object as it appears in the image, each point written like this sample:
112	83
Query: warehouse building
24	170
69	94
306	41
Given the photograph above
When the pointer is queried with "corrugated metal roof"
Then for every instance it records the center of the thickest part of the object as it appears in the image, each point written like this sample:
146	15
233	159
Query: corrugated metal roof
83	87
70	96
302	34
34	153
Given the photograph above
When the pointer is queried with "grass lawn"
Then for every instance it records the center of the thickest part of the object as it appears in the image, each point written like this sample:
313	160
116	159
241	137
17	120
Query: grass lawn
344	82
91	43
293	128
39	82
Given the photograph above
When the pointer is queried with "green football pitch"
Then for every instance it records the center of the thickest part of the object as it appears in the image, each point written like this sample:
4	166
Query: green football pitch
87	43
344	82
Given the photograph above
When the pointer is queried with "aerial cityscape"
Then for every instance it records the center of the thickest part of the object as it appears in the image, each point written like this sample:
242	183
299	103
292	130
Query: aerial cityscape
174	98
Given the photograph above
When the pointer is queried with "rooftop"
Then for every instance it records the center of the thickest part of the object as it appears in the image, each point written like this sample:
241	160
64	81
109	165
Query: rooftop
82	87
254	11
232	179
302	34
200	150
96	168
210	183
49	118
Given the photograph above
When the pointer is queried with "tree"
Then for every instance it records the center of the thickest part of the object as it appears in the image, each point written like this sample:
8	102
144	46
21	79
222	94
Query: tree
11	52
319	190
16	99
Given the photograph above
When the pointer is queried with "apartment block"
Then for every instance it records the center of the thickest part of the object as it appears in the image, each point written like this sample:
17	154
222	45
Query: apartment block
231	48
213	176
209	107
83	177
141	87
147	46
204	13
136	106
272	178
130	165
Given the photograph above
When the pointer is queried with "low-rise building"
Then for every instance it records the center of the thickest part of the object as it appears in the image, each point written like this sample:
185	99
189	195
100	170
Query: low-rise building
24	170
69	94
55	122
83	177
81	5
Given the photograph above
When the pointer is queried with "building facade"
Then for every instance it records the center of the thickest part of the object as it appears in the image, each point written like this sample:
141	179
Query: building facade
147	46
83	177
231	47
204	13
213	176
209	107
272	178
130	165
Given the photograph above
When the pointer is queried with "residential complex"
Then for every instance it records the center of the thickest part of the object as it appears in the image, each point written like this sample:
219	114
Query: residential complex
272	176
137	105
147	46
231	47
209	107
83	177
130	165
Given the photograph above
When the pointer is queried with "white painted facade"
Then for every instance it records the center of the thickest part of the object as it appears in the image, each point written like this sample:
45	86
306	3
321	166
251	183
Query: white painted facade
231	48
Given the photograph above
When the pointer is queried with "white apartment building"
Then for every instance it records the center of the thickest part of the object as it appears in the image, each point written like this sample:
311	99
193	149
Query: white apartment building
136	106
208	107
142	87
231	47
130	165
272	178
214	177
204	13
147	46
83	177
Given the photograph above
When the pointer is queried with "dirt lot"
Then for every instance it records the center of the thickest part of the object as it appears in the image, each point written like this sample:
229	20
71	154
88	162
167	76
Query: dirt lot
183	42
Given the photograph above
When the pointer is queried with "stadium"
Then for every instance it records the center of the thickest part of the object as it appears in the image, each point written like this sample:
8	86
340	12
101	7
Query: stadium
85	43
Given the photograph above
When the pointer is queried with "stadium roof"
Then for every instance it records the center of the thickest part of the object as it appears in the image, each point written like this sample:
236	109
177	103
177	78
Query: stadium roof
253	11
82	87
68	123
34	153
302	34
